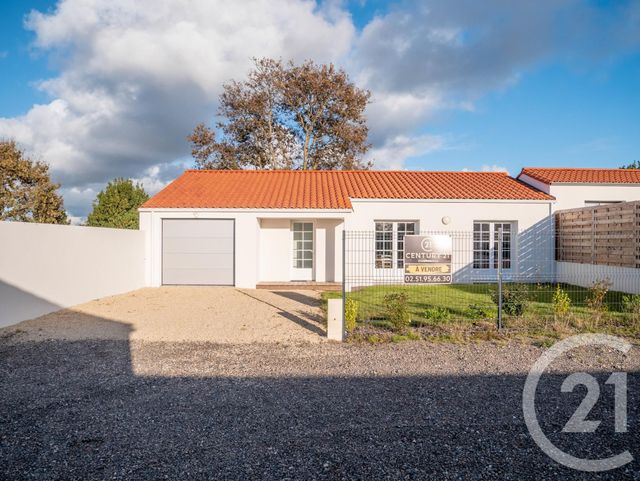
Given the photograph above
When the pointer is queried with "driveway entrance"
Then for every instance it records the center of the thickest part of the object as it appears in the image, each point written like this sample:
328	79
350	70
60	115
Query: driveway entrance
188	313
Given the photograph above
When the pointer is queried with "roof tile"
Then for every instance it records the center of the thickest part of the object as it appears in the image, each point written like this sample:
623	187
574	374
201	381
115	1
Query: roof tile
286	189
583	176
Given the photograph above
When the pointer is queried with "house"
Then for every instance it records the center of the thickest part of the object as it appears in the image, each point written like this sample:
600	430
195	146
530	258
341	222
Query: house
244	228
573	188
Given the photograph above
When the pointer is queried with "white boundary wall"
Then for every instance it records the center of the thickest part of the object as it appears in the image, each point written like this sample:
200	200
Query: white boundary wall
623	279
45	267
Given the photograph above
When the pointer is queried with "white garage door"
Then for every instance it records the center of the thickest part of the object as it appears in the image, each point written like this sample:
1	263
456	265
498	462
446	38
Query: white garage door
197	251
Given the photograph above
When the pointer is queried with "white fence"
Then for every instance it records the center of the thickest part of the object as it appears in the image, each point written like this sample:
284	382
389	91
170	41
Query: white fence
623	279
46	267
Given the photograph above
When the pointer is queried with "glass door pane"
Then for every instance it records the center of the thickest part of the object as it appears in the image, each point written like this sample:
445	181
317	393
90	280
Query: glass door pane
302	250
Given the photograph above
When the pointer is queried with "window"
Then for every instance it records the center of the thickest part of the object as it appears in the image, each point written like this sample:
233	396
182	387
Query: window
402	229
390	243
485	244
481	245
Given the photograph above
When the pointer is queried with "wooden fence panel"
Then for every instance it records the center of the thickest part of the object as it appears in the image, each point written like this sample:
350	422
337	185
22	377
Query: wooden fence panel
601	235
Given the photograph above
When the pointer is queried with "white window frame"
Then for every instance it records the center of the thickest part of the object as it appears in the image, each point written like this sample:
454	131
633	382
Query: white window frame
507	262
396	258
303	249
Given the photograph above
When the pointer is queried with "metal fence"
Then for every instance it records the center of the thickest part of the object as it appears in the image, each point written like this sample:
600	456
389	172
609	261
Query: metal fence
485	261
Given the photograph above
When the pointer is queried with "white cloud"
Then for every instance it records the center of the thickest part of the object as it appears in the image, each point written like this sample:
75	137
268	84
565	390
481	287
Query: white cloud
396	113
158	176
488	168
396	150
135	77
494	168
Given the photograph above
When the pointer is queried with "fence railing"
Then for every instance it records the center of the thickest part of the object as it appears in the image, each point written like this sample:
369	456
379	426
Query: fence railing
374	281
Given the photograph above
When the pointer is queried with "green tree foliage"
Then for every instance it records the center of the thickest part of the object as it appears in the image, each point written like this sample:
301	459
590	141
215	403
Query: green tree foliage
117	205
632	165
287	116
26	191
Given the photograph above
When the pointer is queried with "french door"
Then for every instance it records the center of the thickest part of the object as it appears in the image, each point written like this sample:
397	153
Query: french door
302	251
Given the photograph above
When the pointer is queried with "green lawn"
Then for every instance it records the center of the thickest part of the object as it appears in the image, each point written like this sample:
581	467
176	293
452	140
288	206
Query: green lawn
469	309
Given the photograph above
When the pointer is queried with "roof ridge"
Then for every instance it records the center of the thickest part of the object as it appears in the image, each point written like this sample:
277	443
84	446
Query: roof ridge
273	171
581	168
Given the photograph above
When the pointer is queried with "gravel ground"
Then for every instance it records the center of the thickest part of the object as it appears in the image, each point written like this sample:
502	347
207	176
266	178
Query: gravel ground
187	313
110	409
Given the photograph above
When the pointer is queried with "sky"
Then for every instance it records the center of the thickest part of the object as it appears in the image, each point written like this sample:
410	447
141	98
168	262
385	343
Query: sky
111	88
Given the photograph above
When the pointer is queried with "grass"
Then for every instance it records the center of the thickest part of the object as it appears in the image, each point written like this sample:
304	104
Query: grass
464	312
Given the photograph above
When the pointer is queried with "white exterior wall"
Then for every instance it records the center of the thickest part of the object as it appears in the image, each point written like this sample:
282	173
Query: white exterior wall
623	279
533	246
276	258
535	183
429	213
263	243
571	196
332	255
45	267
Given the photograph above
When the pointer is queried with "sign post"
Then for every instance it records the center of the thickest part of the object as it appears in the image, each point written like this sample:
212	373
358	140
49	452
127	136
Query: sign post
427	259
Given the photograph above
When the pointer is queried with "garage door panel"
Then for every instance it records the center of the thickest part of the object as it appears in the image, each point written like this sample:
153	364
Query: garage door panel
198	245
198	251
199	276
197	228
185	260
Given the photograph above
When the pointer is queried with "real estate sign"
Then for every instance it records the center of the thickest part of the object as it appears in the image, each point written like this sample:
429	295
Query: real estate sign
427	259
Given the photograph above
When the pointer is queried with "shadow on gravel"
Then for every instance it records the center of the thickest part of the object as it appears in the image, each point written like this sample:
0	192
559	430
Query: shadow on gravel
306	320
75	410
299	297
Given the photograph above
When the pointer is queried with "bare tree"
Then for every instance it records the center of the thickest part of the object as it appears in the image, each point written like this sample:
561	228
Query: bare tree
287	117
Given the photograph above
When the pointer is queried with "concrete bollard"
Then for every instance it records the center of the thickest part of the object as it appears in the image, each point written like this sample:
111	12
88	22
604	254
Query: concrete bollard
335	321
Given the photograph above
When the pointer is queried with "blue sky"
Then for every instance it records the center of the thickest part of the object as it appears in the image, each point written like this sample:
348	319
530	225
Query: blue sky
112	88
21	66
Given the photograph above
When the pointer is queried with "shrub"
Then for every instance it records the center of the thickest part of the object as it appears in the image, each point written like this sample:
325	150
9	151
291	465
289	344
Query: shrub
631	304
413	336
597	295
374	339
514	298
561	302
437	314
351	307
476	311
397	310
596	300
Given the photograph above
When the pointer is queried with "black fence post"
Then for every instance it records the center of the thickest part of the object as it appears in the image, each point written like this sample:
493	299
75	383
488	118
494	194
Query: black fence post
500	277
344	277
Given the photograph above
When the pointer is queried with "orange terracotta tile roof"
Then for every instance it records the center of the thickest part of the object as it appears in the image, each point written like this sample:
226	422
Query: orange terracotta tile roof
285	189
583	176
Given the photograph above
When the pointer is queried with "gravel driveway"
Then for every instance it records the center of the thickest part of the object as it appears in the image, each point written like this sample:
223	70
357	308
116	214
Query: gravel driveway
89	410
187	313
